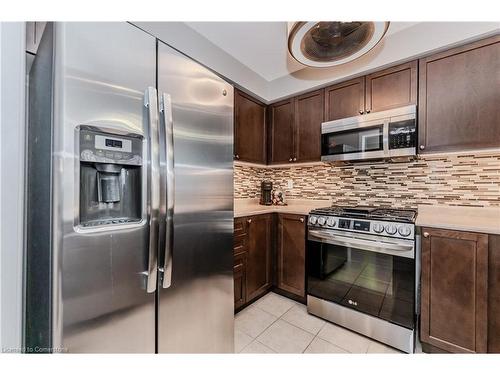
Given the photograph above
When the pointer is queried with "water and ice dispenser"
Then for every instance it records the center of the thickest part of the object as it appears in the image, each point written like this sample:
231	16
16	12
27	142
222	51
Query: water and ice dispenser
110	177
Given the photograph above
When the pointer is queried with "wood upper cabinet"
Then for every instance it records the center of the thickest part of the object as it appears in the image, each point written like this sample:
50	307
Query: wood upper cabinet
454	290
295	134
308	119
345	99
258	260
459	98
291	253
386	89
281	117
391	88
249	129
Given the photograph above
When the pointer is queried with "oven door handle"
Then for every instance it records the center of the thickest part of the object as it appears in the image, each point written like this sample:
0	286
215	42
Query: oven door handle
397	248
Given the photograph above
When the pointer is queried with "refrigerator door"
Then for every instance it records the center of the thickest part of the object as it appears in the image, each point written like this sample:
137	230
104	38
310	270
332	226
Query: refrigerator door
100	300
195	305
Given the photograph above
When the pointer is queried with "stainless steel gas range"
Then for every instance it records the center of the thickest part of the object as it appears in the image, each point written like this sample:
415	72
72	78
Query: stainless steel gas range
361	271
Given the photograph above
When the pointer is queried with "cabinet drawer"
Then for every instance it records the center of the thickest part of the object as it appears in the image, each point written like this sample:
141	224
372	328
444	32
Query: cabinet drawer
240	227
240	235
239	246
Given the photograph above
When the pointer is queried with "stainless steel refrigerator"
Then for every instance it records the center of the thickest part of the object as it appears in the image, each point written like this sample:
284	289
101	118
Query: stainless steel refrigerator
129	196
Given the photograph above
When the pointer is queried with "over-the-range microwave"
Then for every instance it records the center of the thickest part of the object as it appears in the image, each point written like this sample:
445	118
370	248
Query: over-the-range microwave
379	135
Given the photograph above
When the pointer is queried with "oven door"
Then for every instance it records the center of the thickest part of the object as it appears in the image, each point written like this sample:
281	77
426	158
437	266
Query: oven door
366	140
371	274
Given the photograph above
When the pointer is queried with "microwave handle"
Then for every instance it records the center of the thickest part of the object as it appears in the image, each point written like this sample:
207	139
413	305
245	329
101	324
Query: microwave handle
385	137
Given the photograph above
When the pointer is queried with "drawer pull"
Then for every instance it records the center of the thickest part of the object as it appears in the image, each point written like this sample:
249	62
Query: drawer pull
301	219
426	234
249	221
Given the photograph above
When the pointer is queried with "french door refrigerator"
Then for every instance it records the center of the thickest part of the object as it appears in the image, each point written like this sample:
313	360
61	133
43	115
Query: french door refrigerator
129	216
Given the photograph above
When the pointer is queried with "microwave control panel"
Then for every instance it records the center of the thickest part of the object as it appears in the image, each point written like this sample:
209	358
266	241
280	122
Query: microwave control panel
402	134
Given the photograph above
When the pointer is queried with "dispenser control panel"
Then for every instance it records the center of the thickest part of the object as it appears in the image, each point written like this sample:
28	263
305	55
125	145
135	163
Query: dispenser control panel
99	147
112	143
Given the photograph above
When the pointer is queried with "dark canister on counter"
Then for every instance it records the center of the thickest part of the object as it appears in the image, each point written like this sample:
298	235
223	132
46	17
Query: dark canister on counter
266	197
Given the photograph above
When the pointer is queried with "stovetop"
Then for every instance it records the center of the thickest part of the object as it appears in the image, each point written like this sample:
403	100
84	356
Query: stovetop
369	213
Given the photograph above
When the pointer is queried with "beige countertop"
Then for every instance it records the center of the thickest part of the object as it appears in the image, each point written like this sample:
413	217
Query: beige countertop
247	207
471	219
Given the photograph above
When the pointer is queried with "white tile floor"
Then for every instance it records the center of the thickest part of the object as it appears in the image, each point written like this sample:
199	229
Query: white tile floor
276	324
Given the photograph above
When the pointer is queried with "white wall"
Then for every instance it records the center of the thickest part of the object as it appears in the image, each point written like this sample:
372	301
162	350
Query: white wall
12	127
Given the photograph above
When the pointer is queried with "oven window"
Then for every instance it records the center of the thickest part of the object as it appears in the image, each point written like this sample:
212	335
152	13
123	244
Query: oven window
350	141
377	284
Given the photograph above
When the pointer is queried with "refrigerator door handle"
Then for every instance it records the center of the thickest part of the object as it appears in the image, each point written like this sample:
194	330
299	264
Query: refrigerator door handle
166	111
153	191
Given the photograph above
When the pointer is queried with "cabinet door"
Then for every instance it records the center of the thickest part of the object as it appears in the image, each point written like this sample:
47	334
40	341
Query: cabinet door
459	99
282	131
345	99
494	294
239	273
249	129
308	118
391	88
291	253
258	270
454	290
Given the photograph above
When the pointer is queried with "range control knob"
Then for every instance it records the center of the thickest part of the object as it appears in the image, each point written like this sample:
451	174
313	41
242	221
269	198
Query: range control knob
391	229
331	222
378	228
321	221
404	230
313	220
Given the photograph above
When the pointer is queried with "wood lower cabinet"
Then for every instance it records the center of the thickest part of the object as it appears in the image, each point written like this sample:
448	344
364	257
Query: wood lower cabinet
240	241
239	274
459	98
249	129
494	294
291	252
454	290
345	99
259	255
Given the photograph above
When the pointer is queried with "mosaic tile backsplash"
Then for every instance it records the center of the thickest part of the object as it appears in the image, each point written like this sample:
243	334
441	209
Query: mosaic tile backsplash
456	180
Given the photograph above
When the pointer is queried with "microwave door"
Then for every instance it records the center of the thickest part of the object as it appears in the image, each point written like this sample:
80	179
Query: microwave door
358	141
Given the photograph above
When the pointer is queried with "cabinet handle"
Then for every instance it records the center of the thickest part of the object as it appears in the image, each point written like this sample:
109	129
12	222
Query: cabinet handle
426	234
249	221
294	159
290	159
368	111
422	147
301	219
237	156
361	112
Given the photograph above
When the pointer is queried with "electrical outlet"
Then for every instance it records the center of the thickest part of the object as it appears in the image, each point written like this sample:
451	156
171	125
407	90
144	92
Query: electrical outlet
290	184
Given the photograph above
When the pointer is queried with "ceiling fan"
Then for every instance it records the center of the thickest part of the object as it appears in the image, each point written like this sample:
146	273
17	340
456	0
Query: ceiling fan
325	44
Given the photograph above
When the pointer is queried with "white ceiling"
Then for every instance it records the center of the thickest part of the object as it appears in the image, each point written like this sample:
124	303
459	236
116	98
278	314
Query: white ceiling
261	46
254	56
